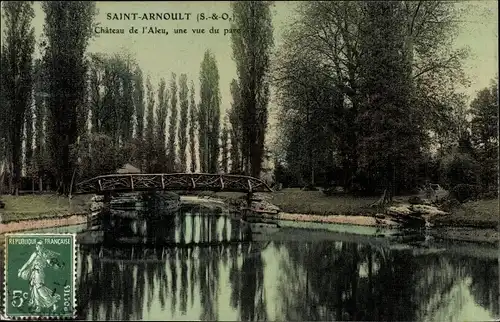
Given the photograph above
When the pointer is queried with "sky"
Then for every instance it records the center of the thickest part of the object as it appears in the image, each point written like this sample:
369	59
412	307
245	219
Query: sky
159	55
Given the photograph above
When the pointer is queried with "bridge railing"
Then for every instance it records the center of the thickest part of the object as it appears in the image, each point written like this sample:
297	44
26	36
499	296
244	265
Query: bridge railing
171	181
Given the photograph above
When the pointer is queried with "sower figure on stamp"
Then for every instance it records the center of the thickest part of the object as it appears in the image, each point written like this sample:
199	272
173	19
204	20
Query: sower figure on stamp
41	296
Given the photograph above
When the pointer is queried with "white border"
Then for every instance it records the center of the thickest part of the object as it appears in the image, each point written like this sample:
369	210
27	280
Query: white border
74	266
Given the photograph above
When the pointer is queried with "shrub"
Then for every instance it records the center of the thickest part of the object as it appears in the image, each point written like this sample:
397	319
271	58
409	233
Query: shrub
449	204
415	200
459	168
309	187
493	194
285	176
465	192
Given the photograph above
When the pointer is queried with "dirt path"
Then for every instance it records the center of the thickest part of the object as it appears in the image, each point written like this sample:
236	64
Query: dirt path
338	219
42	223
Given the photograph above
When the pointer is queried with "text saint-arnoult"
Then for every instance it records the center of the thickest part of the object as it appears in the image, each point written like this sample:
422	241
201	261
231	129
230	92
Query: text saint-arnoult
105	30
149	16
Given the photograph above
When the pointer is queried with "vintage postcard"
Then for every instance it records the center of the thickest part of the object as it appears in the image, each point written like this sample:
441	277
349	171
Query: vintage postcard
40	275
250	160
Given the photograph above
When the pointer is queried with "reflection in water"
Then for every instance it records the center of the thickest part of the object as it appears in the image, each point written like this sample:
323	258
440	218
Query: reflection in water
357	282
279	281
178	228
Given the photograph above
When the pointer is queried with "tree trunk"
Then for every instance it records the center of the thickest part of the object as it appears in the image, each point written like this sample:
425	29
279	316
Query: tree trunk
255	160
2	178
71	183
309	146
11	187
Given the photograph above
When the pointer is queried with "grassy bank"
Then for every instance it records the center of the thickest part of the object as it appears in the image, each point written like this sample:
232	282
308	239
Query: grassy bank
478	214
316	203
27	207
294	200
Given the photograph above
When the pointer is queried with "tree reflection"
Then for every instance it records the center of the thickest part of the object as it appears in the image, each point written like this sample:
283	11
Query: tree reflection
343	281
316	281
247	282
484	286
178	278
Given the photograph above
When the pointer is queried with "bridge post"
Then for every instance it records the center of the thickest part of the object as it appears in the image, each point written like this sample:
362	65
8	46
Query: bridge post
249	199
107	198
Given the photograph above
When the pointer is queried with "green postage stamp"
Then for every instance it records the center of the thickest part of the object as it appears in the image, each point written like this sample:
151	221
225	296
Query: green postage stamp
40	275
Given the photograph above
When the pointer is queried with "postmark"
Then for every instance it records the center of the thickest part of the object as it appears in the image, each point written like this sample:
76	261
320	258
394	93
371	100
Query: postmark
40	276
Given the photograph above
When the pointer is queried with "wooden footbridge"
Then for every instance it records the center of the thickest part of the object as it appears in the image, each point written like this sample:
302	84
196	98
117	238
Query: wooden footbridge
171	181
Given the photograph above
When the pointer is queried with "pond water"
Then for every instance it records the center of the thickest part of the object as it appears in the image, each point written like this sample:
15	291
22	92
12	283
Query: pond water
194	265
201	265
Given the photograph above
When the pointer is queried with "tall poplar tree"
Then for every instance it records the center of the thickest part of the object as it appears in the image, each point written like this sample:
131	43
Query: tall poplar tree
236	124
17	51
183	122
209	114
149	133
193	113
40	160
224	141
172	129
251	51
67	29
139	103
390	138
161	125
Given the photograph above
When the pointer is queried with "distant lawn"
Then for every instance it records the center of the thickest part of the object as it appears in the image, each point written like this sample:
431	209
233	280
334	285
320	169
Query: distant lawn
26	207
480	213
294	200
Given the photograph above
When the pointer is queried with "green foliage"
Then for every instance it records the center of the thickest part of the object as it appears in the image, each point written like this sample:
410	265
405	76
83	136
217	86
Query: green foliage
97	154
251	51
458	168
28	125
284	176
40	165
192	128
111	95
40	112
235	116
465	192
183	122
484	110
160	126
132	152
95	79
386	82
209	114
224	138
149	135
139	102
373	80
484	126
17	81
172	129
67	31
3	116
490	195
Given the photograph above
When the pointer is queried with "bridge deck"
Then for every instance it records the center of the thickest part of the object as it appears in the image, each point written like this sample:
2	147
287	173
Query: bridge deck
171	181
